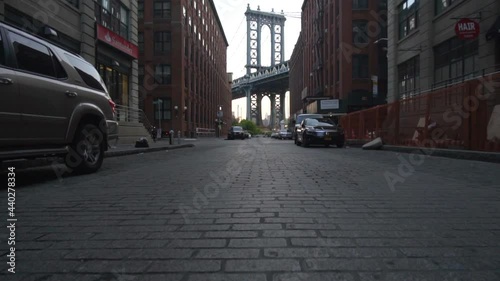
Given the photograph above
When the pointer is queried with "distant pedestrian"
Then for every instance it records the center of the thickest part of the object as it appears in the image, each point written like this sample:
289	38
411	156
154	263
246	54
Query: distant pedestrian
154	132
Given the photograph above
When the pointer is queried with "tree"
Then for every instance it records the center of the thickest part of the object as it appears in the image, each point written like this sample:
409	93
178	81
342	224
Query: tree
250	127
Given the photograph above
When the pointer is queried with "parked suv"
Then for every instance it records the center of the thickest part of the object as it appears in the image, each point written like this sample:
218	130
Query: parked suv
52	103
300	118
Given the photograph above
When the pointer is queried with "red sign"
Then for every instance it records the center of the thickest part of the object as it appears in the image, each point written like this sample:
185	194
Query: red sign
117	41
467	29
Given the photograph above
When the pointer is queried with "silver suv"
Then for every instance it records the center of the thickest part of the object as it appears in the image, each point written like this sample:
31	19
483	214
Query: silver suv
52	103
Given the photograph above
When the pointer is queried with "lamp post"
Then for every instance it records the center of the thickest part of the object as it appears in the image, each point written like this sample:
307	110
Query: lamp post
220	114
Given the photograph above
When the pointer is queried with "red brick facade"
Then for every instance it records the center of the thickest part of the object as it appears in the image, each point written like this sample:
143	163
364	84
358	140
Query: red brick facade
325	44
197	60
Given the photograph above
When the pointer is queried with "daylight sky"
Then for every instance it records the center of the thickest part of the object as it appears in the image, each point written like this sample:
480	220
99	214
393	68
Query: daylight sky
232	16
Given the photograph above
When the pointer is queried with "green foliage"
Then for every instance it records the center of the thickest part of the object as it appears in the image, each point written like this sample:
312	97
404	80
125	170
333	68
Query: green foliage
250	127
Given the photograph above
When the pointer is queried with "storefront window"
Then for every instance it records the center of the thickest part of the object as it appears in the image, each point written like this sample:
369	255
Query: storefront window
409	77
455	60
117	84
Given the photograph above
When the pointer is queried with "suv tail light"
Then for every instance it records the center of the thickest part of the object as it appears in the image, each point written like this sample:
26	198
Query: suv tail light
113	105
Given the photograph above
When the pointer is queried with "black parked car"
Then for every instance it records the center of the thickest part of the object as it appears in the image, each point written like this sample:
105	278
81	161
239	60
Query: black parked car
236	132
319	131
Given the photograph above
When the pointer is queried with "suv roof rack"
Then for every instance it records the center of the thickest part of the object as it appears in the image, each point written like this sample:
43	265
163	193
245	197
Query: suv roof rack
56	44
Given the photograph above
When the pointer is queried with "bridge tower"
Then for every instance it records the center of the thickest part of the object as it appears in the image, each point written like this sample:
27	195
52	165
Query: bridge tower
276	23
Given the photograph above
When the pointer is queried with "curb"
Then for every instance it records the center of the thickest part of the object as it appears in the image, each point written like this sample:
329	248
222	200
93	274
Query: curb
448	153
109	154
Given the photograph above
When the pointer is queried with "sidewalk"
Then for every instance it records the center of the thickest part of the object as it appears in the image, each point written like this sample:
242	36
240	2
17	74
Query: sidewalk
128	149
438	152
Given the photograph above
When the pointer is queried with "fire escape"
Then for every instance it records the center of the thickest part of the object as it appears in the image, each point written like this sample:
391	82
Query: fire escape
318	47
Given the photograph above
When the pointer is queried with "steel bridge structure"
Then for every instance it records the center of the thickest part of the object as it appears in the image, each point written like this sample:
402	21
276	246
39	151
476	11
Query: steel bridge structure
261	81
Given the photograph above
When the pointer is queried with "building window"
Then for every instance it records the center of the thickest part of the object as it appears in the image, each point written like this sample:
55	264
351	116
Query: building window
409	77
442	5
140	9
359	4
140	41
163	42
162	9
408	17
184	13
360	33
360	67
162	74
105	4
455	60
115	20
123	22
162	109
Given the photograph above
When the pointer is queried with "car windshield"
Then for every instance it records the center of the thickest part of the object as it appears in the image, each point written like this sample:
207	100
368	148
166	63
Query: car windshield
301	118
237	129
319	122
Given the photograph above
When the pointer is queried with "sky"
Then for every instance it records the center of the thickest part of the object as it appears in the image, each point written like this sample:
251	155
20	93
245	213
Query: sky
232	16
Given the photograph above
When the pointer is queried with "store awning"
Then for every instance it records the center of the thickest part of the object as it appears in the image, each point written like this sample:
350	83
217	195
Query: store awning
494	31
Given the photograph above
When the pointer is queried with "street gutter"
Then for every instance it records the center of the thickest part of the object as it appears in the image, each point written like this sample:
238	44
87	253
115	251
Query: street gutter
111	153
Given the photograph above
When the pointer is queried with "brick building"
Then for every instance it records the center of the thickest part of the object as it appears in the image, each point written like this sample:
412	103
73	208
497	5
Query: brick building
337	57
424	52
182	64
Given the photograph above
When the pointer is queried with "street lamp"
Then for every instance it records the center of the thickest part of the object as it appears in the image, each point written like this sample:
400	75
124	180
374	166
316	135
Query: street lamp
218	121
176	108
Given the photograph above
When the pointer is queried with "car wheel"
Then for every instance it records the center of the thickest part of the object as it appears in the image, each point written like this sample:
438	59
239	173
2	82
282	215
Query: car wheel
340	144
87	150
305	143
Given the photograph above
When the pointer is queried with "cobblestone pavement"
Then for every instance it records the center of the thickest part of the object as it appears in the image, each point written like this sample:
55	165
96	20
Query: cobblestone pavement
259	210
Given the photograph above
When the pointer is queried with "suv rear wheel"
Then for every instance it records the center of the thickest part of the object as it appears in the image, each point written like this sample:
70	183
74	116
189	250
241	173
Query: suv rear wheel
87	149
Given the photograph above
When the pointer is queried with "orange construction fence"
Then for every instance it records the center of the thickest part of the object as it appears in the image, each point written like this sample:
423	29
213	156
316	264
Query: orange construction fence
461	116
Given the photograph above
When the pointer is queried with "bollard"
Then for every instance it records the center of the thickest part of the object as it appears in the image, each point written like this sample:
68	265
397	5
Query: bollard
178	137
171	137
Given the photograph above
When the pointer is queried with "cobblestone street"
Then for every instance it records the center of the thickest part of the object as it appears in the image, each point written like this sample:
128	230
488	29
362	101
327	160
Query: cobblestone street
259	210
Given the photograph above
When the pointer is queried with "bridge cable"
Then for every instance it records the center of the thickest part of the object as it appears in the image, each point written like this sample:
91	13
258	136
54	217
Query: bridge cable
238	29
